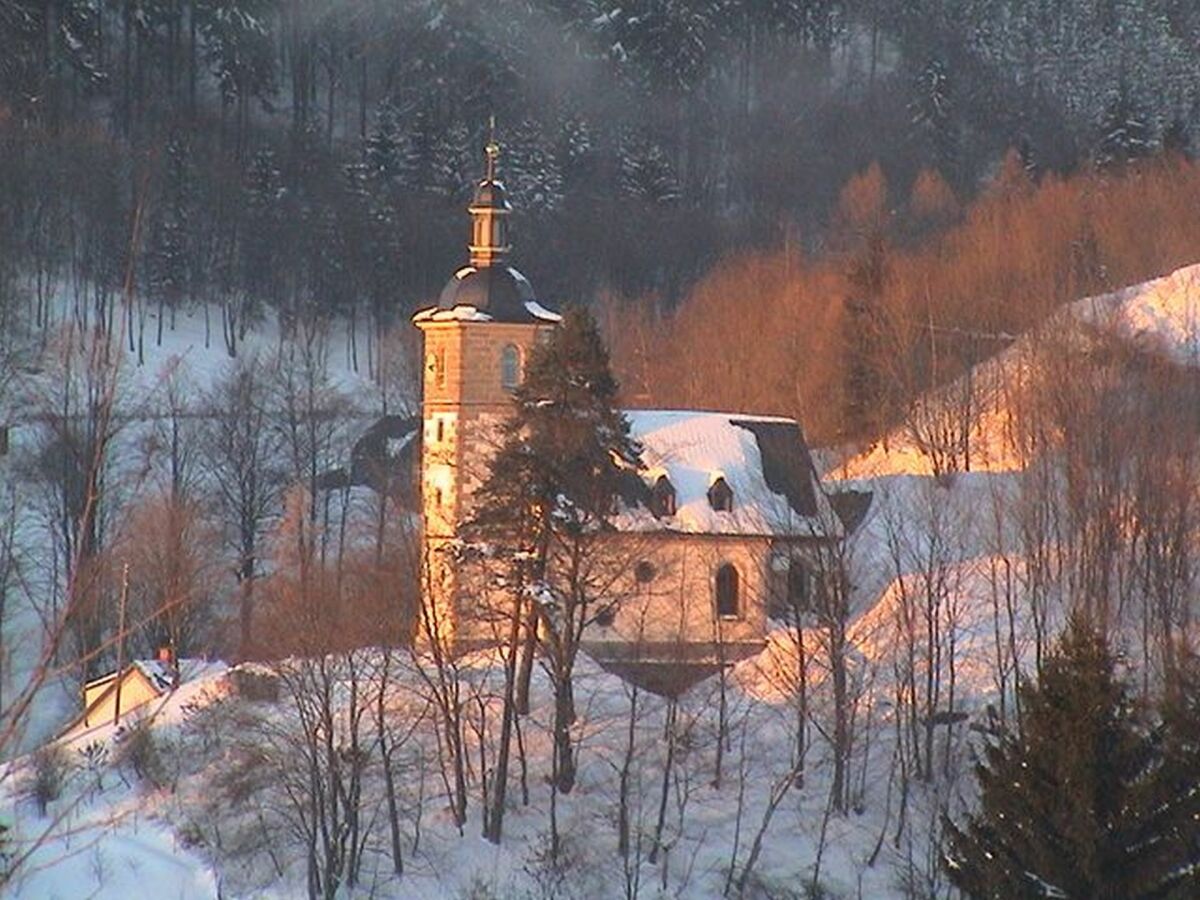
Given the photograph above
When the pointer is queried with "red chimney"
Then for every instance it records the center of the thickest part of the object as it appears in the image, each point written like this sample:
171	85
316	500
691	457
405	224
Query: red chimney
166	656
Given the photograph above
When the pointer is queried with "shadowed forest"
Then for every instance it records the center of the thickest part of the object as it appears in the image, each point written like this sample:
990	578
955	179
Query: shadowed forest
876	171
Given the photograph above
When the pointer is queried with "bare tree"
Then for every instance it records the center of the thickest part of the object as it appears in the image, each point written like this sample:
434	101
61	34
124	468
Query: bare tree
241	449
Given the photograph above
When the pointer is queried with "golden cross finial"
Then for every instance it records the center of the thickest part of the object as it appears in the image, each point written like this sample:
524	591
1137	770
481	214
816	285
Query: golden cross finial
492	149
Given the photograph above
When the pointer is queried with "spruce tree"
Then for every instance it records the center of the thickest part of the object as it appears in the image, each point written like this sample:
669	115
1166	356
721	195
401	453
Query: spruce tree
549	494
1179	780
1079	802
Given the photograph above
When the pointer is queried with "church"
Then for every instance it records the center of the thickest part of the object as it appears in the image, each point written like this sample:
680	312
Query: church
716	534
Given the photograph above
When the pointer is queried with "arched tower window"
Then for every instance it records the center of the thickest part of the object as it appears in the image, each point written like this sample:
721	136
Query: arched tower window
720	496
662	497
510	367
728	602
435	367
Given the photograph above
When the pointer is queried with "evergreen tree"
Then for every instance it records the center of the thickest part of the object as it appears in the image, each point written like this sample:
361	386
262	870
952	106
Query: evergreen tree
667	43
931	110
533	176
383	151
646	172
1180	776
1125	133
550	492
169	261
239	51
1079	801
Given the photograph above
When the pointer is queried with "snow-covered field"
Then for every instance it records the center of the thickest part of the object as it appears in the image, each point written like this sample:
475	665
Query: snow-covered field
939	580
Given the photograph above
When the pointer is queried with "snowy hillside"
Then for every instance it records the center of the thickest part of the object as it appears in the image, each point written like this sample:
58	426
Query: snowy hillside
1159	317
156	388
824	765
199	828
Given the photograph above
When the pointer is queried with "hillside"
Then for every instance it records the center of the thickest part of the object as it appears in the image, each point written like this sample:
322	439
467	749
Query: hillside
977	422
956	584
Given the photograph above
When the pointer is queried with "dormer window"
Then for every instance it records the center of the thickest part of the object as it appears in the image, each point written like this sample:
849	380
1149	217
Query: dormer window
510	367
720	495
662	497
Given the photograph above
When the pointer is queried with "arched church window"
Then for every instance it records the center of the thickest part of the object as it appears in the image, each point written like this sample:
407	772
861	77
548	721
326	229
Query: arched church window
720	496
662	497
510	367
728	606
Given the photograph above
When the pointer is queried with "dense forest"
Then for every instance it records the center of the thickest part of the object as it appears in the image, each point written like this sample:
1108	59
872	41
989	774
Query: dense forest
314	155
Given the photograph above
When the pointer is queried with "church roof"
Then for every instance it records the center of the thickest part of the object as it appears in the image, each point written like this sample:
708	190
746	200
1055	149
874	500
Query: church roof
487	294
490	194
763	459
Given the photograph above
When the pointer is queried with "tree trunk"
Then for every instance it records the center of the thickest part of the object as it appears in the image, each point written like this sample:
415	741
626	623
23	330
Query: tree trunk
495	817
528	652
564	716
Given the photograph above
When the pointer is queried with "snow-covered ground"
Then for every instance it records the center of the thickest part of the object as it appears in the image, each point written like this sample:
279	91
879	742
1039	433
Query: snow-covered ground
104	837
119	836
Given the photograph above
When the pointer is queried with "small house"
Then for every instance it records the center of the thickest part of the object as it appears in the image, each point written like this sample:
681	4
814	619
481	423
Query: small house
108	698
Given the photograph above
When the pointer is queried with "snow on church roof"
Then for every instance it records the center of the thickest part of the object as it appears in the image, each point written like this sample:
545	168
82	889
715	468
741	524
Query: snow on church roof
464	313
763	459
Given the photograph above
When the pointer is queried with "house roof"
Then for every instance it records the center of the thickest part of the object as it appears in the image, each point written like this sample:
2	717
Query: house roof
763	459
386	456
156	673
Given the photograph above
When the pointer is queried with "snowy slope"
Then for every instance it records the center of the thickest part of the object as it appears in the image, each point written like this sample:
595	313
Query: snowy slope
1160	316
940	552
125	839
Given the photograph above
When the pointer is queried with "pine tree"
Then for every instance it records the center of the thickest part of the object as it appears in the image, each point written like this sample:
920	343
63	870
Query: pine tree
382	150
533	175
170	258
1180	777
1078	802
1125	133
550	492
932	112
646	172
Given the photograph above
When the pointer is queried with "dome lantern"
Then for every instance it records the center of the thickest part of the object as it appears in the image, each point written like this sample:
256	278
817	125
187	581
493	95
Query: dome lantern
489	215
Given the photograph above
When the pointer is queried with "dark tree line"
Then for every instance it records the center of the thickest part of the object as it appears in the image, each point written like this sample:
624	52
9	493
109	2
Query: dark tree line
314	155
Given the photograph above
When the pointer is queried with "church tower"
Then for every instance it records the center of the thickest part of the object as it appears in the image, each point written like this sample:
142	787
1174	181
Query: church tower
476	343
